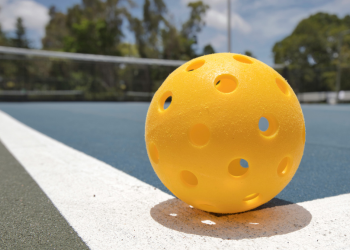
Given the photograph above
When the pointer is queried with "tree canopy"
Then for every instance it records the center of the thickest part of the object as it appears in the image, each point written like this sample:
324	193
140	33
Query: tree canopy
310	54
92	27
158	37
97	27
3	37
19	39
311	51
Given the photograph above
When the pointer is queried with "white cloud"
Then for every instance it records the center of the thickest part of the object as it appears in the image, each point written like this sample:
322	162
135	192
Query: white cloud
278	23
218	20
237	22
263	22
35	16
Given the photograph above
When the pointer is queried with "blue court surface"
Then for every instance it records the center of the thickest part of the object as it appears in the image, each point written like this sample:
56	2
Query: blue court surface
93	187
114	133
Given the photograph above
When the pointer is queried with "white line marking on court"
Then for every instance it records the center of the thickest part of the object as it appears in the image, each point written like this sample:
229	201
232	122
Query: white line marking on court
112	210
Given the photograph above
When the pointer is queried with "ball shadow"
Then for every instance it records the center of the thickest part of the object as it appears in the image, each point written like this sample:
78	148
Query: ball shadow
273	218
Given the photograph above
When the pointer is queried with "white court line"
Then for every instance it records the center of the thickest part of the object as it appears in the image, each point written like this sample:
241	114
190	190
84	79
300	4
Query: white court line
112	210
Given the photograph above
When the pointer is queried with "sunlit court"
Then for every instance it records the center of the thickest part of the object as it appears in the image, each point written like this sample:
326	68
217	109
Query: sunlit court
158	124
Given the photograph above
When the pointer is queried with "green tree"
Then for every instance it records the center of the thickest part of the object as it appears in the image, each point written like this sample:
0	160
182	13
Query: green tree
311	51
193	26
195	22
55	31
249	53
148	30
208	49
4	41
94	27
157	37
180	44
20	40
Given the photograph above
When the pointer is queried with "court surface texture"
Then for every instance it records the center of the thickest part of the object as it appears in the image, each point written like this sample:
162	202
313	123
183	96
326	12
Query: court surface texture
77	176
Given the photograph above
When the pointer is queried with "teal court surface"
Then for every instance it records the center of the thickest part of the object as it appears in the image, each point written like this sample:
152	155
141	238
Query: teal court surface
77	176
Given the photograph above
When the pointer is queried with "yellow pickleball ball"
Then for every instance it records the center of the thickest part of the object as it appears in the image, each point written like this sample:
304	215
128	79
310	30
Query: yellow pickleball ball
196	145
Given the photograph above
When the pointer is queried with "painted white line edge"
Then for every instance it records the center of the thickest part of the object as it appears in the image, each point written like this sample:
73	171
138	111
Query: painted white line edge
112	210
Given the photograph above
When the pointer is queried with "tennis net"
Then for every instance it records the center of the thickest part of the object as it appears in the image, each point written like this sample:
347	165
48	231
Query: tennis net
27	74
39	75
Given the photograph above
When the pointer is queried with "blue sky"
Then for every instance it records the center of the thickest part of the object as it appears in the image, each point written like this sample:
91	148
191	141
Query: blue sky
256	24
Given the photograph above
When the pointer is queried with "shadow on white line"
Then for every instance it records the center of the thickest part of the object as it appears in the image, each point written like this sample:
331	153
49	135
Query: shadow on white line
264	222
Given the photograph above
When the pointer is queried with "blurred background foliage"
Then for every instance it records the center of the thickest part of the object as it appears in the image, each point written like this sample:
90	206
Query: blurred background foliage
311	53
308	56
95	27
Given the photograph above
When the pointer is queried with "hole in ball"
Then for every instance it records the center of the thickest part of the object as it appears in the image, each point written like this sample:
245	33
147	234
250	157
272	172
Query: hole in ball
263	124
165	101
268	122
243	163
284	166
226	83
189	178
195	65
238	167
283	86
251	197
242	59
